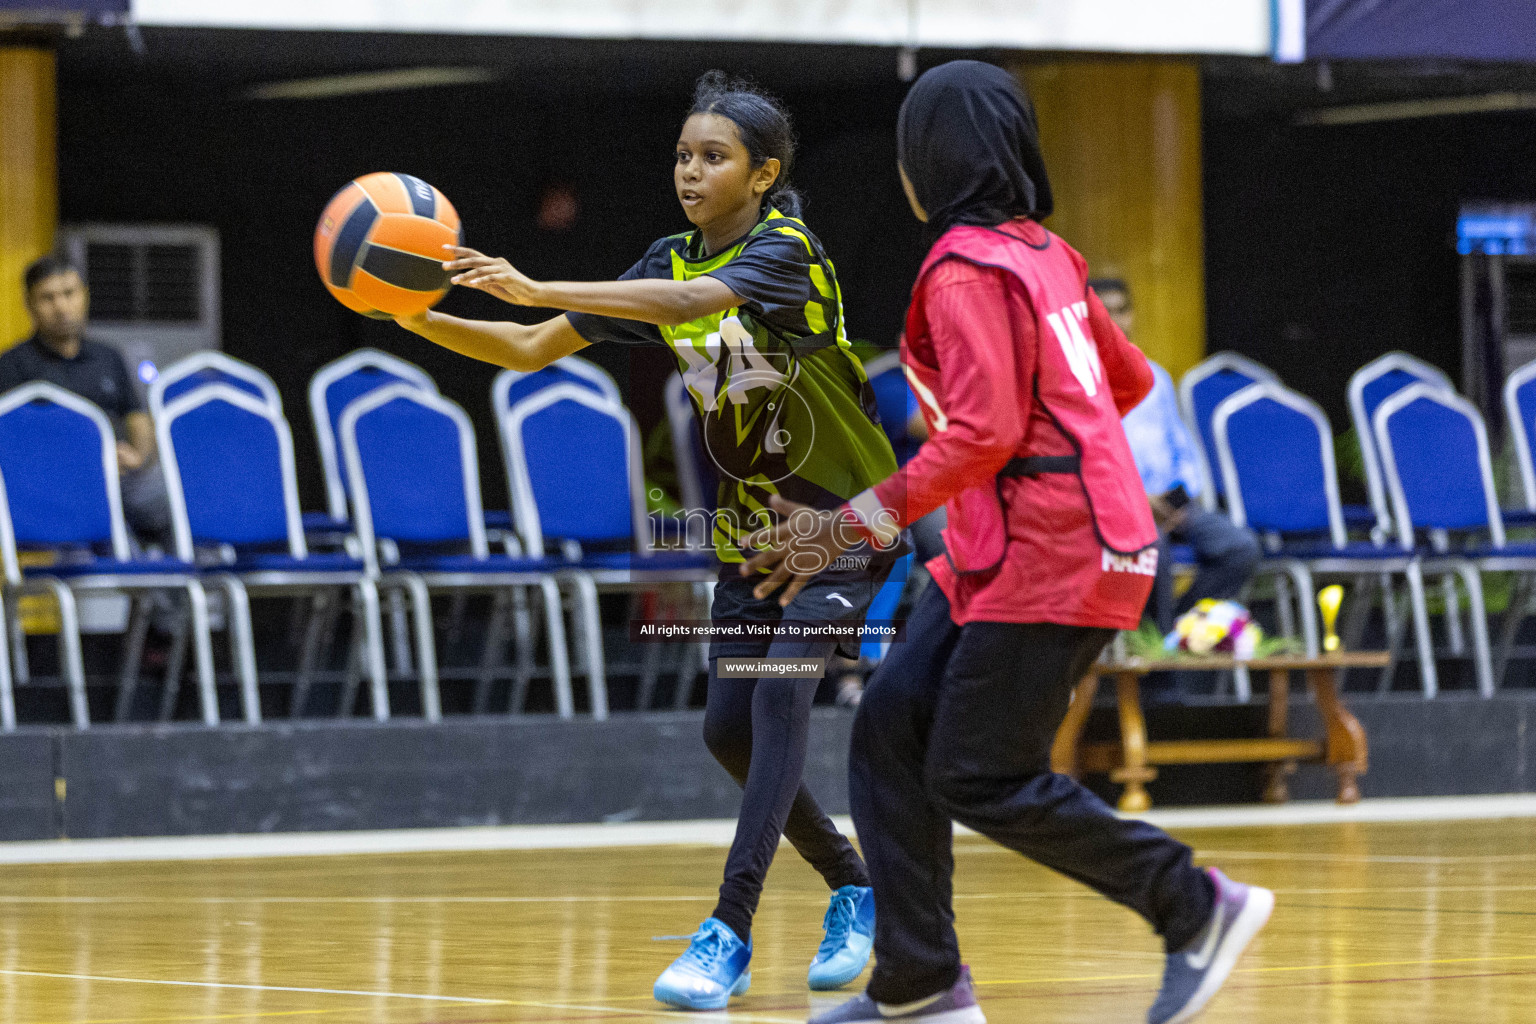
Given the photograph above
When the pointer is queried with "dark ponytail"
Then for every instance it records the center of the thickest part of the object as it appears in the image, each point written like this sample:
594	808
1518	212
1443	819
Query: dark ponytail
763	125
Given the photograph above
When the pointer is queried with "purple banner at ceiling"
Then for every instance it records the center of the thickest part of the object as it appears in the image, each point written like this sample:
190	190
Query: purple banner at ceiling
1491	30
55	8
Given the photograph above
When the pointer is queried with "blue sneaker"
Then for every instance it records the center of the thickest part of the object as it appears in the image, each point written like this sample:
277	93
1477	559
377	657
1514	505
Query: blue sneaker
955	1005
850	927
714	968
1193	974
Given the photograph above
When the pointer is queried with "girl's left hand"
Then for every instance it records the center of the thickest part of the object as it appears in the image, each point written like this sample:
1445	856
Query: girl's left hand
804	543
492	274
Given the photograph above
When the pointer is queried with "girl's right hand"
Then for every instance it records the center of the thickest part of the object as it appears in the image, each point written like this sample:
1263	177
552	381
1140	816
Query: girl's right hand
492	274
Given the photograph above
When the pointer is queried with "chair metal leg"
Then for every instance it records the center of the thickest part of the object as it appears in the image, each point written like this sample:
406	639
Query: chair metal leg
491	654
1284	614
1429	678
457	607
704	598
1359	612
321	617
372	643
650	669
1394	624
202	653
522	650
19	649
71	661
426	648
1509	628
1306	600
592	643
242	646
175	665
1454	636
1472	580
7	690
133	657
399	634
559	653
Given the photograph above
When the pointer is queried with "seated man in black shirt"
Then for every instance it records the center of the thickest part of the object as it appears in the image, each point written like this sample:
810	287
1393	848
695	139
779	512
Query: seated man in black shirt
59	353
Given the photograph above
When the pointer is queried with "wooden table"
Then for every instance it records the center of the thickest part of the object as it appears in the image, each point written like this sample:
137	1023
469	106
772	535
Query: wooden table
1130	761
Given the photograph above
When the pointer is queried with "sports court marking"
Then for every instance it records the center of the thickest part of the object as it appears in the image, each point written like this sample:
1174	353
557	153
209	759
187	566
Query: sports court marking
696	833
751	1018
243	1015
256	988
369	994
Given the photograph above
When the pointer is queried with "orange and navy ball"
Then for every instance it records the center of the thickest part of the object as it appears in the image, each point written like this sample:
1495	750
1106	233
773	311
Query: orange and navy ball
379	244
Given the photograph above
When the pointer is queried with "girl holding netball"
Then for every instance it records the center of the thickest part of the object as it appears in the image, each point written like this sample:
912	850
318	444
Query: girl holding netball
1023	378
749	304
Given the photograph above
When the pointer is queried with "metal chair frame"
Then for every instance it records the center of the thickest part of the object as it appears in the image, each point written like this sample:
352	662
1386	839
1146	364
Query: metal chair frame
495	578
1441	558
319	409
586	580
211	359
174	577
1212	365
238	585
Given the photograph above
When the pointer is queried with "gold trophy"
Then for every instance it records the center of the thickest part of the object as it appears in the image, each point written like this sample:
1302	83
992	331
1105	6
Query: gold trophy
1328	601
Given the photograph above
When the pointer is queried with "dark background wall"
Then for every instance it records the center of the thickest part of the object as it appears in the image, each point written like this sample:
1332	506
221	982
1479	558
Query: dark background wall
1325	245
169	137
1328	245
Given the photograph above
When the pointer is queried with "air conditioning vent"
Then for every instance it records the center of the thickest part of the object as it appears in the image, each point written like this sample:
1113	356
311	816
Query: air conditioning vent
154	288
135	283
1520	297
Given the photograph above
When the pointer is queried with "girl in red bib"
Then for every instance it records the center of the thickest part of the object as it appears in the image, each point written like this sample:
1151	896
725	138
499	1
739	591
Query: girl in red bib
1023	379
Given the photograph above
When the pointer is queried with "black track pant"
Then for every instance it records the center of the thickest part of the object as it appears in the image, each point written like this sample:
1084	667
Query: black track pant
957	724
758	730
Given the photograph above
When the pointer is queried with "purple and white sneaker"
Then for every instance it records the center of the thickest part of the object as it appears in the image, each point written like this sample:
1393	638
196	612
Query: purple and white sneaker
1192	975
955	1005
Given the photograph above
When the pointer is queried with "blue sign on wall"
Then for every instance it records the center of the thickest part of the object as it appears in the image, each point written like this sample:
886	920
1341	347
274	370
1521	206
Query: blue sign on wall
1492	30
1498	230
62	7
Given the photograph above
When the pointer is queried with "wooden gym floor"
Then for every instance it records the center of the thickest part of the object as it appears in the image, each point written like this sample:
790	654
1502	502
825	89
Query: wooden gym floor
1430	923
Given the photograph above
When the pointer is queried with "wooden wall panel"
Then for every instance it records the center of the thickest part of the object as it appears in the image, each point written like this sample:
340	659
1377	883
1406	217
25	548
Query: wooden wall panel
1122	144
29	203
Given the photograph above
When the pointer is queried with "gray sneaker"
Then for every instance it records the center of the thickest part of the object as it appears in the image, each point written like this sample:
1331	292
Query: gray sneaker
1192	975
955	1005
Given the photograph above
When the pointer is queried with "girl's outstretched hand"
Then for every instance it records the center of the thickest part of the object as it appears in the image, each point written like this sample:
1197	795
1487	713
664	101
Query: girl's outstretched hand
491	274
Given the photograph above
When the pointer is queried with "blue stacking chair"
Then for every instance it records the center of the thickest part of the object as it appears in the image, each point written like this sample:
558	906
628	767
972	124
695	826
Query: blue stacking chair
230	476
1201	390
414	477
1275	451
58	462
333	387
1369	386
578	489
1438	474
510	386
1520	409
210	367
698	481
894	399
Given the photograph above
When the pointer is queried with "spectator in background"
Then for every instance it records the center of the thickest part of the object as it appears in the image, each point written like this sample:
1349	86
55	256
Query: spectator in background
59	352
1225	553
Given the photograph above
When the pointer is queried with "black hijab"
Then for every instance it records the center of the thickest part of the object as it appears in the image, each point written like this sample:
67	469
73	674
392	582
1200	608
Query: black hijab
966	137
